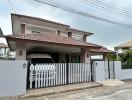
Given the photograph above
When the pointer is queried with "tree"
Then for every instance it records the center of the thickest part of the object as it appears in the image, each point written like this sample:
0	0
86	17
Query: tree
111	57
126	59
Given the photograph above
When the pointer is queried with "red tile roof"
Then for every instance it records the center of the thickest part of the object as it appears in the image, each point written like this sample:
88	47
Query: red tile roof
102	50
52	38
2	45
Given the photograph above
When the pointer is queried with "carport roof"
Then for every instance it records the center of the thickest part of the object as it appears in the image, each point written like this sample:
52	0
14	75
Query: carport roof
50	38
102	50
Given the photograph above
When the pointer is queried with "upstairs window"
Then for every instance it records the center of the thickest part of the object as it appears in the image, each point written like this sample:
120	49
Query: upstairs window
77	36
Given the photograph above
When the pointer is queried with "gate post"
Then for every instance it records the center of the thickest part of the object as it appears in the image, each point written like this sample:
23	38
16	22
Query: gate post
67	69
28	74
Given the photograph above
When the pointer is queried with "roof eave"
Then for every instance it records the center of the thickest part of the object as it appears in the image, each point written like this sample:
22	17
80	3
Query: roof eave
10	38
37	18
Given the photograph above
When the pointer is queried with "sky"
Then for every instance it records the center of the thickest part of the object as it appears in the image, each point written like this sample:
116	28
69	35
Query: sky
105	34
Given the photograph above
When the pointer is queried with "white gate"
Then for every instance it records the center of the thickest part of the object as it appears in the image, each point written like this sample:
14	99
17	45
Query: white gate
46	75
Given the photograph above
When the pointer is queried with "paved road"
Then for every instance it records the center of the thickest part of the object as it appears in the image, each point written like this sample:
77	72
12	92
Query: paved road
123	92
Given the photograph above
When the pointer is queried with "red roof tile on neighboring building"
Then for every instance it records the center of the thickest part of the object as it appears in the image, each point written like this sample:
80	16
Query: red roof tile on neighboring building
52	38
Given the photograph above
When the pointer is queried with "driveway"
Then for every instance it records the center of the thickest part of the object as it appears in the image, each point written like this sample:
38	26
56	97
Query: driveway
123	92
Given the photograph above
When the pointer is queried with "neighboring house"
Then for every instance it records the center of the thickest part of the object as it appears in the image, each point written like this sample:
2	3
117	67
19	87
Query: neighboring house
123	47
3	50
36	37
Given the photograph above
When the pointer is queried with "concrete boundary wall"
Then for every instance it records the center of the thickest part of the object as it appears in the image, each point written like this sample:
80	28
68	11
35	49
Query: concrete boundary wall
101	72
13	77
122	74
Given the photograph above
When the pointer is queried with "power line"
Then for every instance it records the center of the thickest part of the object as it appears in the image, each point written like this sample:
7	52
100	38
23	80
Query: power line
125	9
96	12
110	8
63	7
10	4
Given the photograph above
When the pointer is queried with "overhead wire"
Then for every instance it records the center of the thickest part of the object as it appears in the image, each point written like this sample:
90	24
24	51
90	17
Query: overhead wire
11	7
109	8
69	9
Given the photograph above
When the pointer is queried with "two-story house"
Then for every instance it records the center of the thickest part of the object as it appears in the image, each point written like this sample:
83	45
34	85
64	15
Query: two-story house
34	37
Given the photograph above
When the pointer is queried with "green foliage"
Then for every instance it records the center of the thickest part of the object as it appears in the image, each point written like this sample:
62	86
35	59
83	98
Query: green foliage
111	57
126	59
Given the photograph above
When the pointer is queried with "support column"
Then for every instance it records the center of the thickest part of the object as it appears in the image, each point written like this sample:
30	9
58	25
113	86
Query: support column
20	51
85	55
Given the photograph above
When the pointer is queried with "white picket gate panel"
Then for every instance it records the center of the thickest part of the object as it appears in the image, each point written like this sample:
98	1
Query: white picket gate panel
46	75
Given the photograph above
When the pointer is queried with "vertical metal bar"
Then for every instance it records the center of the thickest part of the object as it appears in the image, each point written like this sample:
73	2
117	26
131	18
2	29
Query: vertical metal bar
75	72
44	75
47	75
36	80
56	74
80	71
59	73
51	74
85	72
71	73
65	74
39	76
90	72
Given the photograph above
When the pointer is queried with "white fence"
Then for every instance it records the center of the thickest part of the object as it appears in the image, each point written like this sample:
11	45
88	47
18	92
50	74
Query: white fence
12	78
45	75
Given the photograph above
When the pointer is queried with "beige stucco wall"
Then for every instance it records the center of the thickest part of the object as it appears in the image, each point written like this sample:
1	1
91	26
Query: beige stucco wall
17	21
20	51
85	55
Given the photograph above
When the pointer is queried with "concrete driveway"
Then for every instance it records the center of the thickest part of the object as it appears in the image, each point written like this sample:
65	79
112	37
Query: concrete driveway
123	92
